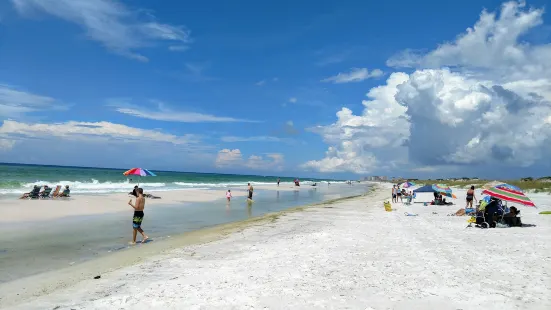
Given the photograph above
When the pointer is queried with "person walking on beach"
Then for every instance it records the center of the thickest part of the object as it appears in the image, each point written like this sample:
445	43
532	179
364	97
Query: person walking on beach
228	195
394	191
470	197
278	180
250	190
398	194
138	206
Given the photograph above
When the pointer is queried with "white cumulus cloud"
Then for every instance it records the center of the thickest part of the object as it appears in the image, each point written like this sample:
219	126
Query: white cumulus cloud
481	100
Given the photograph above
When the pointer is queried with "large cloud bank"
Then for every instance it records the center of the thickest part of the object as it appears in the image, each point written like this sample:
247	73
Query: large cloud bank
483	99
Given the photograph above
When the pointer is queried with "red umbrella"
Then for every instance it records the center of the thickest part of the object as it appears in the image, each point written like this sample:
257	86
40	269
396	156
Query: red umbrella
509	193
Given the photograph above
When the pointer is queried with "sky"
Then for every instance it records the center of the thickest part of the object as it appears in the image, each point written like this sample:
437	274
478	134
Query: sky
340	89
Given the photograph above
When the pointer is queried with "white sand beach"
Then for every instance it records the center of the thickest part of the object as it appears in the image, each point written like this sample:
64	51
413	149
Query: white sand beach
350	254
19	210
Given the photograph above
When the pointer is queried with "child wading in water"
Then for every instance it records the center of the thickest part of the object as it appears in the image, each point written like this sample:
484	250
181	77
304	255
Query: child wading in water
228	195
138	216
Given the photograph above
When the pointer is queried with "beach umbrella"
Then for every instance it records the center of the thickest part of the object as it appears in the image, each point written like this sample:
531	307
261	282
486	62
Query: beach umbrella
408	184
141	172
511	187
449	195
441	188
510	193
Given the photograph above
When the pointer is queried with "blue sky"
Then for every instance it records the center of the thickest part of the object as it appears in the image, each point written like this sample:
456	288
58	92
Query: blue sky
276	88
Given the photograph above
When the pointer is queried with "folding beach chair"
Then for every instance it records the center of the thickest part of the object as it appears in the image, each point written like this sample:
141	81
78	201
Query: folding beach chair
34	194
45	193
512	221
66	193
56	191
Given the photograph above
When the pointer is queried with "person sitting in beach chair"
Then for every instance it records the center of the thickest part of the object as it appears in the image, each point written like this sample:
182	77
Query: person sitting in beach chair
512	218
407	196
66	192
55	193
46	192
32	194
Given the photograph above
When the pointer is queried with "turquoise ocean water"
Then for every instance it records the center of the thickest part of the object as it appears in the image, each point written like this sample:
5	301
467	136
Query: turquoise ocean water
16	179
29	248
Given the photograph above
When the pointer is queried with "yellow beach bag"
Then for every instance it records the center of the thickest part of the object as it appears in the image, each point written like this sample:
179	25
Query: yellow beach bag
388	206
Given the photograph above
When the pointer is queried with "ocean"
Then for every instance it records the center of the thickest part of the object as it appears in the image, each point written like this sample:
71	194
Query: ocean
33	247
16	179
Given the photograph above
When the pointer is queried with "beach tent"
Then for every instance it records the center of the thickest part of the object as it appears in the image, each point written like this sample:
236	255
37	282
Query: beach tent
424	194
424	189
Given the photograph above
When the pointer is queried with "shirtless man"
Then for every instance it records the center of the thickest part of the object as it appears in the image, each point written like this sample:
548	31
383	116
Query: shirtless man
250	190
138	216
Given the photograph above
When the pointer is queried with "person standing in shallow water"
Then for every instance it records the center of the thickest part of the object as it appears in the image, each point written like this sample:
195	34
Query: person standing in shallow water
138	207
278	180
470	197
250	190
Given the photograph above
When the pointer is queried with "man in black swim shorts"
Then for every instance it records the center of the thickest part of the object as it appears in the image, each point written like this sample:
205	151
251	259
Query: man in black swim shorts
250	191
138	216
470	197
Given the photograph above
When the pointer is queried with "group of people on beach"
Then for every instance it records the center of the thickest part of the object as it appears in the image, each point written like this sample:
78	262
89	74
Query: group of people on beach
398	193
43	192
485	210
250	190
139	205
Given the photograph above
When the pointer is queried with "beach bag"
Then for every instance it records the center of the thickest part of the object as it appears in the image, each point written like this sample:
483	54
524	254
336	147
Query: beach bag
388	206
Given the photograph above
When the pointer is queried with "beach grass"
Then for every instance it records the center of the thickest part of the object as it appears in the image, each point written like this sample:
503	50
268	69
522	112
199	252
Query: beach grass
534	186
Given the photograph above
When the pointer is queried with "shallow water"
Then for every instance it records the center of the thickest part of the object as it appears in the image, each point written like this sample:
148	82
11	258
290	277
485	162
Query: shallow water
35	247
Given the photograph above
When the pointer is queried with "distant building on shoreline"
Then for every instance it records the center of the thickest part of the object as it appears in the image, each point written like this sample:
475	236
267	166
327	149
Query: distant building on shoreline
376	178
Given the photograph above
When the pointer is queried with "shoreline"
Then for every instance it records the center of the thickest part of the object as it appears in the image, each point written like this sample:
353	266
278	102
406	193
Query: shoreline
23	210
51	281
